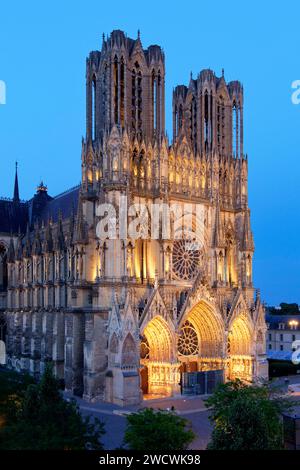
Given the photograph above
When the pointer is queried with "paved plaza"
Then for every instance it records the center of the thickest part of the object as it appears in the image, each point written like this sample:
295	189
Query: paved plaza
114	417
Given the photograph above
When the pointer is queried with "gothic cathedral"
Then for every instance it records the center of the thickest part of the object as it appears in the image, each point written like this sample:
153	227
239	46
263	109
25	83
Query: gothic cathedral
124	316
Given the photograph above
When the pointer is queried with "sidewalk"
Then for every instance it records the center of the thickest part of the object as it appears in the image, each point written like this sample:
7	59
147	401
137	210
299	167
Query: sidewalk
183	405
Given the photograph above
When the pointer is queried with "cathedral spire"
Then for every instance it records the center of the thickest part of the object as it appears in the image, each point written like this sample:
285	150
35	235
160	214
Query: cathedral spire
19	247
60	239
27	245
16	187
80	225
11	251
48	243
36	246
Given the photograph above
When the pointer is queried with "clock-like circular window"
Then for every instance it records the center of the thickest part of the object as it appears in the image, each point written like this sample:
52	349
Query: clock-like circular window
186	259
188	344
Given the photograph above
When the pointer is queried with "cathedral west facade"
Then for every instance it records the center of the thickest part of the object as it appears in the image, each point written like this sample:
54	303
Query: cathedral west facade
125	315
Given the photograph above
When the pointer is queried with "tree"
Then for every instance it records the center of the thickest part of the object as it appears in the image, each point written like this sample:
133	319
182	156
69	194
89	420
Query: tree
157	431
41	419
246	417
285	309
289	309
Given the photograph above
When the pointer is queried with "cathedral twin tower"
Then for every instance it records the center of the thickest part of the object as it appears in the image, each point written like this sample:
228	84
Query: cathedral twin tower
126	87
124	317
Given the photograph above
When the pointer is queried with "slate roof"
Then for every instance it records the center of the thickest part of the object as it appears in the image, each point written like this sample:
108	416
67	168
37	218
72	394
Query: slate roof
65	204
275	320
15	215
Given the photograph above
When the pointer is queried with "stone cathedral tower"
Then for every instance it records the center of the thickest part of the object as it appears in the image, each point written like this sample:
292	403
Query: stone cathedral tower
122	315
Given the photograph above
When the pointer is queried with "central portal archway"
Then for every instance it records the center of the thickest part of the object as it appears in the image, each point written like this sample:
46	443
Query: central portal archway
200	342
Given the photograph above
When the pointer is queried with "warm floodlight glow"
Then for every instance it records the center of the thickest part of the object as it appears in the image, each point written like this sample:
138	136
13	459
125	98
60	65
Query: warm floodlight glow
293	323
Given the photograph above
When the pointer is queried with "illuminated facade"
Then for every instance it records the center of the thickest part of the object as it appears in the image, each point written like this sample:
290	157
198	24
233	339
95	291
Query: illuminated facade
121	317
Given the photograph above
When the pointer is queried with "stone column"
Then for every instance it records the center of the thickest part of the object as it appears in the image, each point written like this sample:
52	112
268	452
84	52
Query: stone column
74	337
18	335
47	338
95	357
10	337
58	344
26	340
36	343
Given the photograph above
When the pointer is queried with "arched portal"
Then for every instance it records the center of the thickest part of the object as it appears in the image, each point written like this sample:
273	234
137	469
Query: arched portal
239	348
200	339
159	337
128	357
159	367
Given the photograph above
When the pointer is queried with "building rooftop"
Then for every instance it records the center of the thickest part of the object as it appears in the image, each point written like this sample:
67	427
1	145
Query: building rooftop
16	214
283	322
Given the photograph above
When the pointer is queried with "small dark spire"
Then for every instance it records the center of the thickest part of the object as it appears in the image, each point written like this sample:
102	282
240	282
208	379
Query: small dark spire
139	34
11	251
223	73
41	188
16	187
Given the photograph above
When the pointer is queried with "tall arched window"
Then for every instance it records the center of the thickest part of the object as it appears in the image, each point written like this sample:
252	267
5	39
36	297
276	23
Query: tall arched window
93	109
206	123
180	118
104	92
175	123
139	107
142	164
136	91
133	100
193	123
229	260
122	93
158	102
236	129
221	125
116	91
154	98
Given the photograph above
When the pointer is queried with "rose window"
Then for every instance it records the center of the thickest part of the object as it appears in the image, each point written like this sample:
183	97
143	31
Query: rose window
188	344
186	259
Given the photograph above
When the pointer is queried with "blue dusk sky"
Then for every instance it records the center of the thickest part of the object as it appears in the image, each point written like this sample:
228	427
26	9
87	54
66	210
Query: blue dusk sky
43	46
